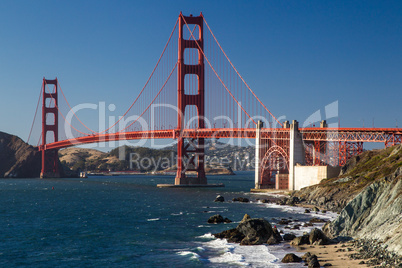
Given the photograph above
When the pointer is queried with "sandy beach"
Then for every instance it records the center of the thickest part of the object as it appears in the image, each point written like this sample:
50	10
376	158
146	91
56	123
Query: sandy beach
337	254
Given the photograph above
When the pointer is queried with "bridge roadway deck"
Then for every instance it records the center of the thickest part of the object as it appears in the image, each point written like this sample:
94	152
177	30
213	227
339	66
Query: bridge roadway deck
390	135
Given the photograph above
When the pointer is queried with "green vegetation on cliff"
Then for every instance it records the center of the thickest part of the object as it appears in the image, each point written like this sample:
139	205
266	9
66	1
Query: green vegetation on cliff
358	173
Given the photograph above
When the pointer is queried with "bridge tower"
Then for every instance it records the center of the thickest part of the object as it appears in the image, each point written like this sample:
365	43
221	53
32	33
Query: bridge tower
195	146
50	124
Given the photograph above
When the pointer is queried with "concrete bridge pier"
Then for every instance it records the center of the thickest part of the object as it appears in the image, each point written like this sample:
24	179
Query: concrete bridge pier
258	156
296	152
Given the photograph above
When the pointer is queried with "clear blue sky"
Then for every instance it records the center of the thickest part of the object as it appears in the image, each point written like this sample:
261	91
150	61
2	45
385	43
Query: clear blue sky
298	56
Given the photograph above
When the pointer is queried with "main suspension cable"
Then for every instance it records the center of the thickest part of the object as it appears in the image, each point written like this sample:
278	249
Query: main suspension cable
239	73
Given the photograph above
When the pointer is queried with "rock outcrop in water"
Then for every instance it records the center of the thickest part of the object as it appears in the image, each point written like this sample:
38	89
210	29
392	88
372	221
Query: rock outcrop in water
368	195
249	232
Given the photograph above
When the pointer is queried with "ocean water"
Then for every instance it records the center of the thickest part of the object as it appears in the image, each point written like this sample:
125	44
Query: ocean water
126	221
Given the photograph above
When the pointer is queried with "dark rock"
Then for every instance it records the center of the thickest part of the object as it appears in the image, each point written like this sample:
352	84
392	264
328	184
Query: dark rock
265	201
272	241
311	260
284	221
241	199
292	201
327	264
308	224
317	235
301	240
306	211
281	202
232	235
316	209
218	219
290	257
219	198
313	263
288	237
306	256
256	231
296	227
276	235
316	220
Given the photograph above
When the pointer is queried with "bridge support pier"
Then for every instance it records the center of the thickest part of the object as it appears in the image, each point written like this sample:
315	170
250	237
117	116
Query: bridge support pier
50	164
257	178
296	152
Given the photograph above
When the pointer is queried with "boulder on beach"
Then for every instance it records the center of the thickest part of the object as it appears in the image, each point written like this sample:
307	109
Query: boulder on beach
218	219
290	257
219	198
311	260
313	263
317	236
288	237
301	240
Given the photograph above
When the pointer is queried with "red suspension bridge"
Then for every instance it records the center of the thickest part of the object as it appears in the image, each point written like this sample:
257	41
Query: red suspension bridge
196	93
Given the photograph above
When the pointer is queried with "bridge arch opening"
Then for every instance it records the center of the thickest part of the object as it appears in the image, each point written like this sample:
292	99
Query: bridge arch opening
275	162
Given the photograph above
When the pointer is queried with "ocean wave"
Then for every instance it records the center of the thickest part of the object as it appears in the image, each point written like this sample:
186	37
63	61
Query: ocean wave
207	235
203	226
155	219
192	255
229	257
329	215
234	254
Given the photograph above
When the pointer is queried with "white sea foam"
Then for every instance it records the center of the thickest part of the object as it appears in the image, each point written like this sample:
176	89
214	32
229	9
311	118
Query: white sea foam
207	235
155	219
192	255
229	258
200	249
205	226
177	214
234	254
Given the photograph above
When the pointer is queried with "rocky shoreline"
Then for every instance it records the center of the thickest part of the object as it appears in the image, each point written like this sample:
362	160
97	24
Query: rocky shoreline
372	253
314	244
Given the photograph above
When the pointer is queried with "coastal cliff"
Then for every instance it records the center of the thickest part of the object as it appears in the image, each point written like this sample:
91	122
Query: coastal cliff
375	213
21	160
17	158
368	195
